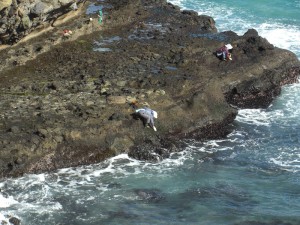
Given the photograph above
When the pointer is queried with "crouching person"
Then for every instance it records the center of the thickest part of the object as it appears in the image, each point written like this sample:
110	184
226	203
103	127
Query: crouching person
147	115
223	52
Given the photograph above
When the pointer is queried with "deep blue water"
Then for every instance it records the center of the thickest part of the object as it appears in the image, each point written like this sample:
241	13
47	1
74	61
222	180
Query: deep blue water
250	177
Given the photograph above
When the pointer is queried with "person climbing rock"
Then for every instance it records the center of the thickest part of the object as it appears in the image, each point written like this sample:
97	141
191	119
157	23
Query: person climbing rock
100	16
147	115
223	53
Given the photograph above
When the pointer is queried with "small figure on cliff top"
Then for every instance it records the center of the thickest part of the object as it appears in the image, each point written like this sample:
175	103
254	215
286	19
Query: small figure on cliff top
147	116
223	53
100	16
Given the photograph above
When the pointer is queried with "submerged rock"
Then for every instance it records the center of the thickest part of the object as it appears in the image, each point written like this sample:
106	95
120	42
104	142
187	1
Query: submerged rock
150	195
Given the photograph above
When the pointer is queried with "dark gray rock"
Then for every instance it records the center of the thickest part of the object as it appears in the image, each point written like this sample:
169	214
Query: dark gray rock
14	221
150	195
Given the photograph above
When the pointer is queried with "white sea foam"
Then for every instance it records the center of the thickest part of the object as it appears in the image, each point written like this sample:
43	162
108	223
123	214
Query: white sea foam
6	202
177	2
283	110
275	126
278	34
254	116
238	20
2	217
288	158
282	36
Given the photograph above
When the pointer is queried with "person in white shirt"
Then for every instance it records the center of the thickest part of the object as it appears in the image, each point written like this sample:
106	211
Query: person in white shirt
148	116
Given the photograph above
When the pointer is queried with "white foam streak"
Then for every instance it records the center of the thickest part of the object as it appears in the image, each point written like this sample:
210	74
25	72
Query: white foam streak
115	165
176	2
258	117
7	202
175	160
108	169
288	166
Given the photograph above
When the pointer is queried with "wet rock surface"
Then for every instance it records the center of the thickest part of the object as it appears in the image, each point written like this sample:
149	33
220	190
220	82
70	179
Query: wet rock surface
67	101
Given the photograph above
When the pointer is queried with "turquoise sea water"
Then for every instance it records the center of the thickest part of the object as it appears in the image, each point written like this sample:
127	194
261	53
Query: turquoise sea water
277	20
250	177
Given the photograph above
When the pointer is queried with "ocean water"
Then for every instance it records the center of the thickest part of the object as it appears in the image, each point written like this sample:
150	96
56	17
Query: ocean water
250	177
276	20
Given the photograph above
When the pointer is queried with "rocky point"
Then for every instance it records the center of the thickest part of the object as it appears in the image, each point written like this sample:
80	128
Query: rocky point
67	101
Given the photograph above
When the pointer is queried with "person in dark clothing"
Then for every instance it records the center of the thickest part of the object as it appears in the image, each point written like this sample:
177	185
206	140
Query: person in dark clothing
223	52
147	116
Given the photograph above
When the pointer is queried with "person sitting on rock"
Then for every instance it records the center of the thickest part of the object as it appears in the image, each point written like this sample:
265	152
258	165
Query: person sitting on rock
223	52
147	116
67	33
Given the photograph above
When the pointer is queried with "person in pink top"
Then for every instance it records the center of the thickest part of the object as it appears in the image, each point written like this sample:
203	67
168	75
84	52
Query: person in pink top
223	52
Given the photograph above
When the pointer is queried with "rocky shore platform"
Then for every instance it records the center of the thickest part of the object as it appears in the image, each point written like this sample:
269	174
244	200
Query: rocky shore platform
67	101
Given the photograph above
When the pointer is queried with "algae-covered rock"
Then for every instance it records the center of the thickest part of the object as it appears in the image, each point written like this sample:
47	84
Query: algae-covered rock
5	4
64	104
26	22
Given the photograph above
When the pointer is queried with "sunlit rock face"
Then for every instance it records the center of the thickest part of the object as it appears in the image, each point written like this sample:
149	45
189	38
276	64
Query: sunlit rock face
19	18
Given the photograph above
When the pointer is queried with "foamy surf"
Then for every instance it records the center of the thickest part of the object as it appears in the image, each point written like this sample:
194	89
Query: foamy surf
288	160
6	202
247	174
229	16
282	36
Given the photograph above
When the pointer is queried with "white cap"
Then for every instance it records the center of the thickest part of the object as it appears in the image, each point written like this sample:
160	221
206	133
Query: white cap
155	114
229	46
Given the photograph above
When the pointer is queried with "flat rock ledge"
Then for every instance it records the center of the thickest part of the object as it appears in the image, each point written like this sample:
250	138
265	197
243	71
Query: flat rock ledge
68	101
